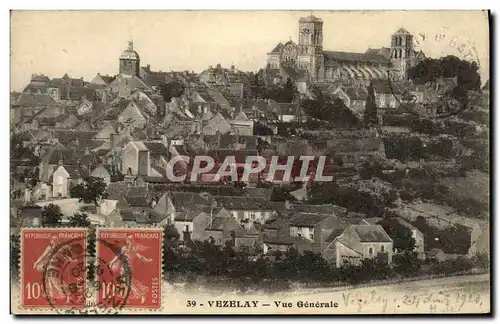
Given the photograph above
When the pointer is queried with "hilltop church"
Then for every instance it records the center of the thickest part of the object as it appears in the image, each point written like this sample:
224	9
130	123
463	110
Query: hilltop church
308	59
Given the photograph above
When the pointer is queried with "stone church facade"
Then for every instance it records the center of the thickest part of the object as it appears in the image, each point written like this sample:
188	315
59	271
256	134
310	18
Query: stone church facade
330	66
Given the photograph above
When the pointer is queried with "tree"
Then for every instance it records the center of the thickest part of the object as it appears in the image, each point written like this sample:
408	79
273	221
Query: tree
80	220
289	91
170	233
51	215
431	70
401	236
407	264
91	190
171	90
15	253
370	115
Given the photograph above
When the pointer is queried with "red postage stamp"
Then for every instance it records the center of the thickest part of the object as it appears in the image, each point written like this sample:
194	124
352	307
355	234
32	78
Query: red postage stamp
53	267
133	261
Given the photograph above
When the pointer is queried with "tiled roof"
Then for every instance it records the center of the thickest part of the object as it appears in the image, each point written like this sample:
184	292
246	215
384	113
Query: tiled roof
279	206
402	31
77	93
335	233
264	193
314	209
240	156
29	99
276	49
107	79
187	200
30	211
284	239
76	171
371	233
305	220
219	223
137	201
242	203
136	192
355	57
356	93
116	190
40	78
310	18
128	216
156	148
139	145
187	215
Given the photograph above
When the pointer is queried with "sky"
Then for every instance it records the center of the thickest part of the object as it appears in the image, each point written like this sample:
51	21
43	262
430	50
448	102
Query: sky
83	43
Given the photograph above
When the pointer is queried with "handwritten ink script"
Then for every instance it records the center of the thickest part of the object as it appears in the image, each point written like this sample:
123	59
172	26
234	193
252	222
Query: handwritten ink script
428	302
444	301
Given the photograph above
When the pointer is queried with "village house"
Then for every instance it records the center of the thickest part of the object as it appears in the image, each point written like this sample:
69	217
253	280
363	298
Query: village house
138	157
286	112
387	95
480	241
66	176
57	156
233	81
241	124
358	242
314	227
172	204
396	222
107	173
246	210
354	98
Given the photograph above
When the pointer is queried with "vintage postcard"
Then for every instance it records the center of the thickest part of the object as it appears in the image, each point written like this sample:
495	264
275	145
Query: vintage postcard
250	162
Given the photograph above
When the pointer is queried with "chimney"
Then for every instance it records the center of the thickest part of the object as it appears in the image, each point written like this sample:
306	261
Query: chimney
148	67
114	139
164	140
143	163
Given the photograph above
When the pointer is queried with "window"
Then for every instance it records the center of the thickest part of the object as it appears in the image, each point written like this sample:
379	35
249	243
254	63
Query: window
311	236
370	251
382	249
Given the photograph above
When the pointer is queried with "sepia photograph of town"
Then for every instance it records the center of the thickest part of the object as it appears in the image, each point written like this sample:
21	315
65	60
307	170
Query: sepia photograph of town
249	162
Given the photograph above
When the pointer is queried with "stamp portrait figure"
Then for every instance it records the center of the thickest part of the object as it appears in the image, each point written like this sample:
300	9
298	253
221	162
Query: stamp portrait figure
131	251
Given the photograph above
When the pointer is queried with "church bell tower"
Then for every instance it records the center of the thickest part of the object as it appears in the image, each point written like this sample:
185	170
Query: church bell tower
402	52
310	49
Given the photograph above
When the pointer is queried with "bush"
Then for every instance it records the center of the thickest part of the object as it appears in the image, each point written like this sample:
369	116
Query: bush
450	267
15	253
407	264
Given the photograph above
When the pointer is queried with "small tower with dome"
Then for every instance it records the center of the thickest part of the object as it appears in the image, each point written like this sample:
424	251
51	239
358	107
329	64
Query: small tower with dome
129	60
